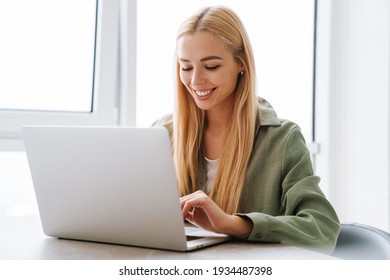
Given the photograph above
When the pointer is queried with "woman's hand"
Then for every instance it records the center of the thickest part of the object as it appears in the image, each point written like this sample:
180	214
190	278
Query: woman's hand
200	210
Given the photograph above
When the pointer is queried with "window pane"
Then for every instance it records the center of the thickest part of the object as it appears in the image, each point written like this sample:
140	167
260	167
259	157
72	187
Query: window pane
281	32
47	54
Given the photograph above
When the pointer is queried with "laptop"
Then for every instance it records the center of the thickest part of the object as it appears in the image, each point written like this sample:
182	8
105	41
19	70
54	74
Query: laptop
110	184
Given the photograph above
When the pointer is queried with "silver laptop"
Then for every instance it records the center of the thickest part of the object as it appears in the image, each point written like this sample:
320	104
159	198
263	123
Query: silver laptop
109	184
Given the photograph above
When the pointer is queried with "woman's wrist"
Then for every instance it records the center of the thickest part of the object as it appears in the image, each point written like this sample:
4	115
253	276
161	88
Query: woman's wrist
238	226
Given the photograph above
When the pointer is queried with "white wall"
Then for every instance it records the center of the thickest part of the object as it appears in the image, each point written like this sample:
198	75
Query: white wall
353	121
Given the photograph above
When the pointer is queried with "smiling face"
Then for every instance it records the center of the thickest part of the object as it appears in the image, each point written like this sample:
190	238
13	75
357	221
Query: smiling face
208	70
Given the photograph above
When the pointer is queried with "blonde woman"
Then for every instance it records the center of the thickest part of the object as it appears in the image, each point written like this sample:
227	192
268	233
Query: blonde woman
241	170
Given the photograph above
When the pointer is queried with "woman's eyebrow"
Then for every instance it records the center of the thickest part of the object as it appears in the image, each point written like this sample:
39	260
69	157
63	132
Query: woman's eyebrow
211	57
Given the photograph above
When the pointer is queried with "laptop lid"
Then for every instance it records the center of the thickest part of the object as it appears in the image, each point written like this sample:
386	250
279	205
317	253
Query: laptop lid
107	184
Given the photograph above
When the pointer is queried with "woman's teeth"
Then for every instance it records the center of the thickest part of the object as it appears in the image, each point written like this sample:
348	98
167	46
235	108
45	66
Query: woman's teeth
203	93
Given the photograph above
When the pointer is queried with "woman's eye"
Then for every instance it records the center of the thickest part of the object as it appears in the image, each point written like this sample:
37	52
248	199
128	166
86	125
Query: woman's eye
212	67
186	68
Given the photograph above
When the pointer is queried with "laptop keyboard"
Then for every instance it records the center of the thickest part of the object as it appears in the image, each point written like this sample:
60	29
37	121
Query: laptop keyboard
191	237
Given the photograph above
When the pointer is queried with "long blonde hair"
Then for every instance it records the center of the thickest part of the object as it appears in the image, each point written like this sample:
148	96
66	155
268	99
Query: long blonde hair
189	120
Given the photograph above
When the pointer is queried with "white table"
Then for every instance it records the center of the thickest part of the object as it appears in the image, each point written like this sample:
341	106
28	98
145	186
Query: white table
22	238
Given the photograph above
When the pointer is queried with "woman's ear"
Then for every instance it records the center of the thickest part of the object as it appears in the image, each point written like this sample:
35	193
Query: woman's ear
242	68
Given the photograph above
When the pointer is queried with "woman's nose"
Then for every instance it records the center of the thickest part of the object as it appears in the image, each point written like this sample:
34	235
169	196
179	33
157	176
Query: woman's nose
198	77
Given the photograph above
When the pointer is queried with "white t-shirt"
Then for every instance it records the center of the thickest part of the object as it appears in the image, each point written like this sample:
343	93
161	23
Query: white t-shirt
212	165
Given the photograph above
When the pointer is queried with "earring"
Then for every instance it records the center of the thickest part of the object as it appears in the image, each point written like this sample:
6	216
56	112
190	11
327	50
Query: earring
242	73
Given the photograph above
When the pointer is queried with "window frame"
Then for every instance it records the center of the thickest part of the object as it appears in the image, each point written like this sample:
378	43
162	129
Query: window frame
105	95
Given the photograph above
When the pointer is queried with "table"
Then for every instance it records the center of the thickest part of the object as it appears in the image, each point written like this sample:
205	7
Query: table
22	238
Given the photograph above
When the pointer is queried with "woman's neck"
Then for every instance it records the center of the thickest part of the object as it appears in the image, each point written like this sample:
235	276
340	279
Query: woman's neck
216	131
218	119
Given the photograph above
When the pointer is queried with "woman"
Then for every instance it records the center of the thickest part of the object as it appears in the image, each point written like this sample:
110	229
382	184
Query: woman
241	170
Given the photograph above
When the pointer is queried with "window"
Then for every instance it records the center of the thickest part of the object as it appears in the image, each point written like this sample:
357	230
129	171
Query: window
281	33
47	64
59	63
